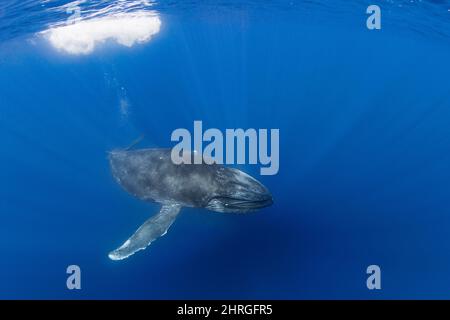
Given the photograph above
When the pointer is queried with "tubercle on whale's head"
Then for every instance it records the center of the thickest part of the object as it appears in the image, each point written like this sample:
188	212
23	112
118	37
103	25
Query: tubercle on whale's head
239	193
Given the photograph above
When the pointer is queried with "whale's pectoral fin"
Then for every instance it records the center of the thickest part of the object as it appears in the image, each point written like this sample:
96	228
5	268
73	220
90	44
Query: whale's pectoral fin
152	229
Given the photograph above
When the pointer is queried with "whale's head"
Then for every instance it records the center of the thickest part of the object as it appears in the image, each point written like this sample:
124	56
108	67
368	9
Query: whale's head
239	193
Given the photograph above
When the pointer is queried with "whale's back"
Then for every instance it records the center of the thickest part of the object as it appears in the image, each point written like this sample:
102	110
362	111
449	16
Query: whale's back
150	175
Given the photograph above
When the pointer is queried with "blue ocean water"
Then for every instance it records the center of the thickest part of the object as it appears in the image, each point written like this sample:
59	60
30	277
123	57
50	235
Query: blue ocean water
364	148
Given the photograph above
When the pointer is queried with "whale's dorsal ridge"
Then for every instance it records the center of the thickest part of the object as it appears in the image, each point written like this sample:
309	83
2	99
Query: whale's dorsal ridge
152	229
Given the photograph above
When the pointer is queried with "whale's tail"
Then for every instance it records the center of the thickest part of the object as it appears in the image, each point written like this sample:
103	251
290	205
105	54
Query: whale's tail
152	229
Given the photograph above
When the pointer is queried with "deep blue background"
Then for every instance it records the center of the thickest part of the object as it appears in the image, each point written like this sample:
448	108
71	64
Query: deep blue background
364	164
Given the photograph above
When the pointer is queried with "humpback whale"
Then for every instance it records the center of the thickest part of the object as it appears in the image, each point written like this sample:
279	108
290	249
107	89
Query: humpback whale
150	175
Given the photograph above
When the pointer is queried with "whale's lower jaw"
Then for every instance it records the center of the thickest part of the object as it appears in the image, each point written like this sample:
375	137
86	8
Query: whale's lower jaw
218	206
152	229
236	205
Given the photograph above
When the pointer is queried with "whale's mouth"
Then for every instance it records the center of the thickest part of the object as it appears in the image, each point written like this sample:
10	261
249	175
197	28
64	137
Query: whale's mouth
235	204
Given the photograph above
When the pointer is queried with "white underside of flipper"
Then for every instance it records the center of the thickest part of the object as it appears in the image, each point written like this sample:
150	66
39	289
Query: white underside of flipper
152	229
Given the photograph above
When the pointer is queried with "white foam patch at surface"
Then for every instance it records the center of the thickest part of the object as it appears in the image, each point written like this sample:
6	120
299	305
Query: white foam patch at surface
125	29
